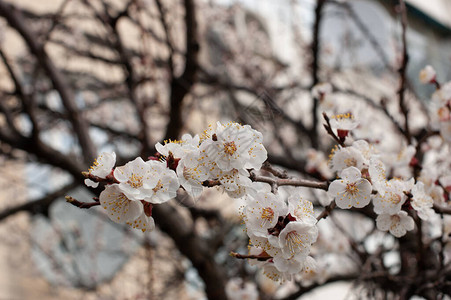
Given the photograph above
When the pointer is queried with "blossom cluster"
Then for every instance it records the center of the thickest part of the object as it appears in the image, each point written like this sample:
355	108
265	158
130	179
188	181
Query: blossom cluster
362	179
223	154
362	170
281	233
281	230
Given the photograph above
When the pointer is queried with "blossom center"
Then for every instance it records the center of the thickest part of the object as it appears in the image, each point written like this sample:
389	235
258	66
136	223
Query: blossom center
188	173
267	213
351	188
94	165
293	241
135	181
230	148
158	187
351	162
395	219
119	205
394	198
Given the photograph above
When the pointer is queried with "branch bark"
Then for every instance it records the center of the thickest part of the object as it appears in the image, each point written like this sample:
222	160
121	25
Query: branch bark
181	86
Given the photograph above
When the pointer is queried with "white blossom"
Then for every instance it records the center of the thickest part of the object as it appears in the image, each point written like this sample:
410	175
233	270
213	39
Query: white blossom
393	197
367	150
235	182
191	173
166	186
445	131
378	175
102	167
270	270
317	162
273	249
288	265
421	201
427	74
262	212
398	224
136	179
143	222
296	239
321	89
300	208
351	190
342	158
404	156
119	208
443	95
233	146
310	271
344	122
179	148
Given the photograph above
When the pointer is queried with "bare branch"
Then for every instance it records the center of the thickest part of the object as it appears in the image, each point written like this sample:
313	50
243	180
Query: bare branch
39	205
16	20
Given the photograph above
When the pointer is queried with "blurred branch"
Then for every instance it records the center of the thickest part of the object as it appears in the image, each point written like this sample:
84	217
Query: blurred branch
181	86
40	205
303	290
366	32
26	100
80	204
402	70
167	34
315	67
194	248
16	20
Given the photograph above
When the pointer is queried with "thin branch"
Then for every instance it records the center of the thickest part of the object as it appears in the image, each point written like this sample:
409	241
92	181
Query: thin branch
167	33
16	20
245	256
326	211
402	70
27	101
303	290
39	205
274	171
315	67
331	132
80	204
322	185
364	29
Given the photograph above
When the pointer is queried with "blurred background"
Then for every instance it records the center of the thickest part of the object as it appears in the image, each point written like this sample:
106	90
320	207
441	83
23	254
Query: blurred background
79	77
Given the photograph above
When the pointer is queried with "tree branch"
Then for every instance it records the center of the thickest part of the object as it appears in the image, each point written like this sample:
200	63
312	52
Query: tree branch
39	205
181	86
16	20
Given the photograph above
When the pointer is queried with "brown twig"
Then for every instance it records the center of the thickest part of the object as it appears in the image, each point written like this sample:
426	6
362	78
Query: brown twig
80	204
326	211
274	171
108	179
322	185
442	210
330	131
246	256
